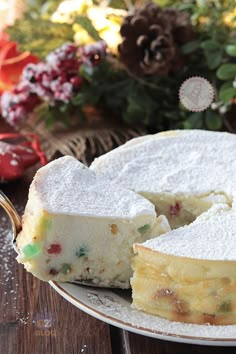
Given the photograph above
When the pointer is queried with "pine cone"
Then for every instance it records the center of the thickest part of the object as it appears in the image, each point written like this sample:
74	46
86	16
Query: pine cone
151	39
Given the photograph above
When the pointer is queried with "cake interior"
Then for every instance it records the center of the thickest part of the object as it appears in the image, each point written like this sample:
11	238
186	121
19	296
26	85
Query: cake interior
180	209
183	290
101	254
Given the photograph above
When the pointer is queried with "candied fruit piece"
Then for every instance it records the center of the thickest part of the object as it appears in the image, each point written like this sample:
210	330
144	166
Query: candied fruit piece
114	229
143	228
53	271
31	250
175	209
83	251
54	248
66	268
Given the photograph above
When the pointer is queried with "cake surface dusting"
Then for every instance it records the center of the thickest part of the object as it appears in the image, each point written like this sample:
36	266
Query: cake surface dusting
66	186
184	162
212	239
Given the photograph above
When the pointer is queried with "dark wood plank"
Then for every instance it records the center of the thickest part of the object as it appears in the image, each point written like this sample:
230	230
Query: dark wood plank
136	344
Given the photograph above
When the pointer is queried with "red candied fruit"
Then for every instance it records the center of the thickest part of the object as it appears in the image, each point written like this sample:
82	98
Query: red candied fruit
53	271
175	209
54	248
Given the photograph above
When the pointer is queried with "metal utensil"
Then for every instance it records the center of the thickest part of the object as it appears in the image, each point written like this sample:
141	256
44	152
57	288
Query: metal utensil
13	215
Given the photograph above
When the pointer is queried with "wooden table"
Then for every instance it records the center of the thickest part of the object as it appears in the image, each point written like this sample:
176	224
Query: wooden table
34	319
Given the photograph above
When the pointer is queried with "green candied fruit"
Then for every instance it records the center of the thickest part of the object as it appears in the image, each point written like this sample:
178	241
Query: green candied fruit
66	268
143	228
225	306
31	250
82	251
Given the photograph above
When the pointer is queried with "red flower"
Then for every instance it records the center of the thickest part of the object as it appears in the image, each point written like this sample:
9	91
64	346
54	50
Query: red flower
12	62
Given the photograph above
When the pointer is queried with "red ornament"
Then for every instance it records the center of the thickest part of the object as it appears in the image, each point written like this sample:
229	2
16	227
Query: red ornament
14	159
12	62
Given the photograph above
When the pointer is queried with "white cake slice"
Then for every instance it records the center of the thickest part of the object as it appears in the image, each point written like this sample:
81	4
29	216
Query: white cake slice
189	274
77	226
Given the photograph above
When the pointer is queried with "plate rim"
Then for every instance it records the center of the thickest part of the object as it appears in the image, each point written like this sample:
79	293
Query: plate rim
136	329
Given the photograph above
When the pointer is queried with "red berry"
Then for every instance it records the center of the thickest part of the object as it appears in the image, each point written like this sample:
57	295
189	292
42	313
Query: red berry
55	248
76	81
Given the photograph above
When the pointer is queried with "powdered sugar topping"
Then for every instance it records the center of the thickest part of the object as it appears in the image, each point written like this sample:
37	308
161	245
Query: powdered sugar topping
190	162
67	186
212	239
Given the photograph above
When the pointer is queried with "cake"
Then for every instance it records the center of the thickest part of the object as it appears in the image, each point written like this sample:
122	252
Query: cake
77	227
81	223
183	173
189	274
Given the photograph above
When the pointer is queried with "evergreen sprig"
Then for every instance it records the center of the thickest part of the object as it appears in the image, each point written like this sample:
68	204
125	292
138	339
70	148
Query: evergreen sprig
40	37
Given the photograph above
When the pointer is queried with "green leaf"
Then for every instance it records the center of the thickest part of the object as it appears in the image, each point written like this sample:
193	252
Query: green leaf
190	47
40	36
231	50
134	111
213	120
118	4
213	52
86	23
226	85
86	71
194	121
63	108
226	94
226	71
78	100
210	45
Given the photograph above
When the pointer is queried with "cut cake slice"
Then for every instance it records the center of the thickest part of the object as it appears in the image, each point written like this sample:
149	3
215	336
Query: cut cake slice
76	226
189	274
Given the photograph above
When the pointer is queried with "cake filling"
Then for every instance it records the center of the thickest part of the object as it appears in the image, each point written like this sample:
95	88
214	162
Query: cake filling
183	209
186	275
183	290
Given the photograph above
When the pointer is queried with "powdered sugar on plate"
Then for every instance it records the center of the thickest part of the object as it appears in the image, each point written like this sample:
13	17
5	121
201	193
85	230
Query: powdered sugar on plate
114	307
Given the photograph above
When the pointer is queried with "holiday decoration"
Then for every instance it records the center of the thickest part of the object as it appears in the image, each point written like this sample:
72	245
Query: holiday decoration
151	40
12	62
55	81
15	158
124	60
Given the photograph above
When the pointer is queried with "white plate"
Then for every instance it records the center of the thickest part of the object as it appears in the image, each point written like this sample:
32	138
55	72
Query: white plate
114	307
